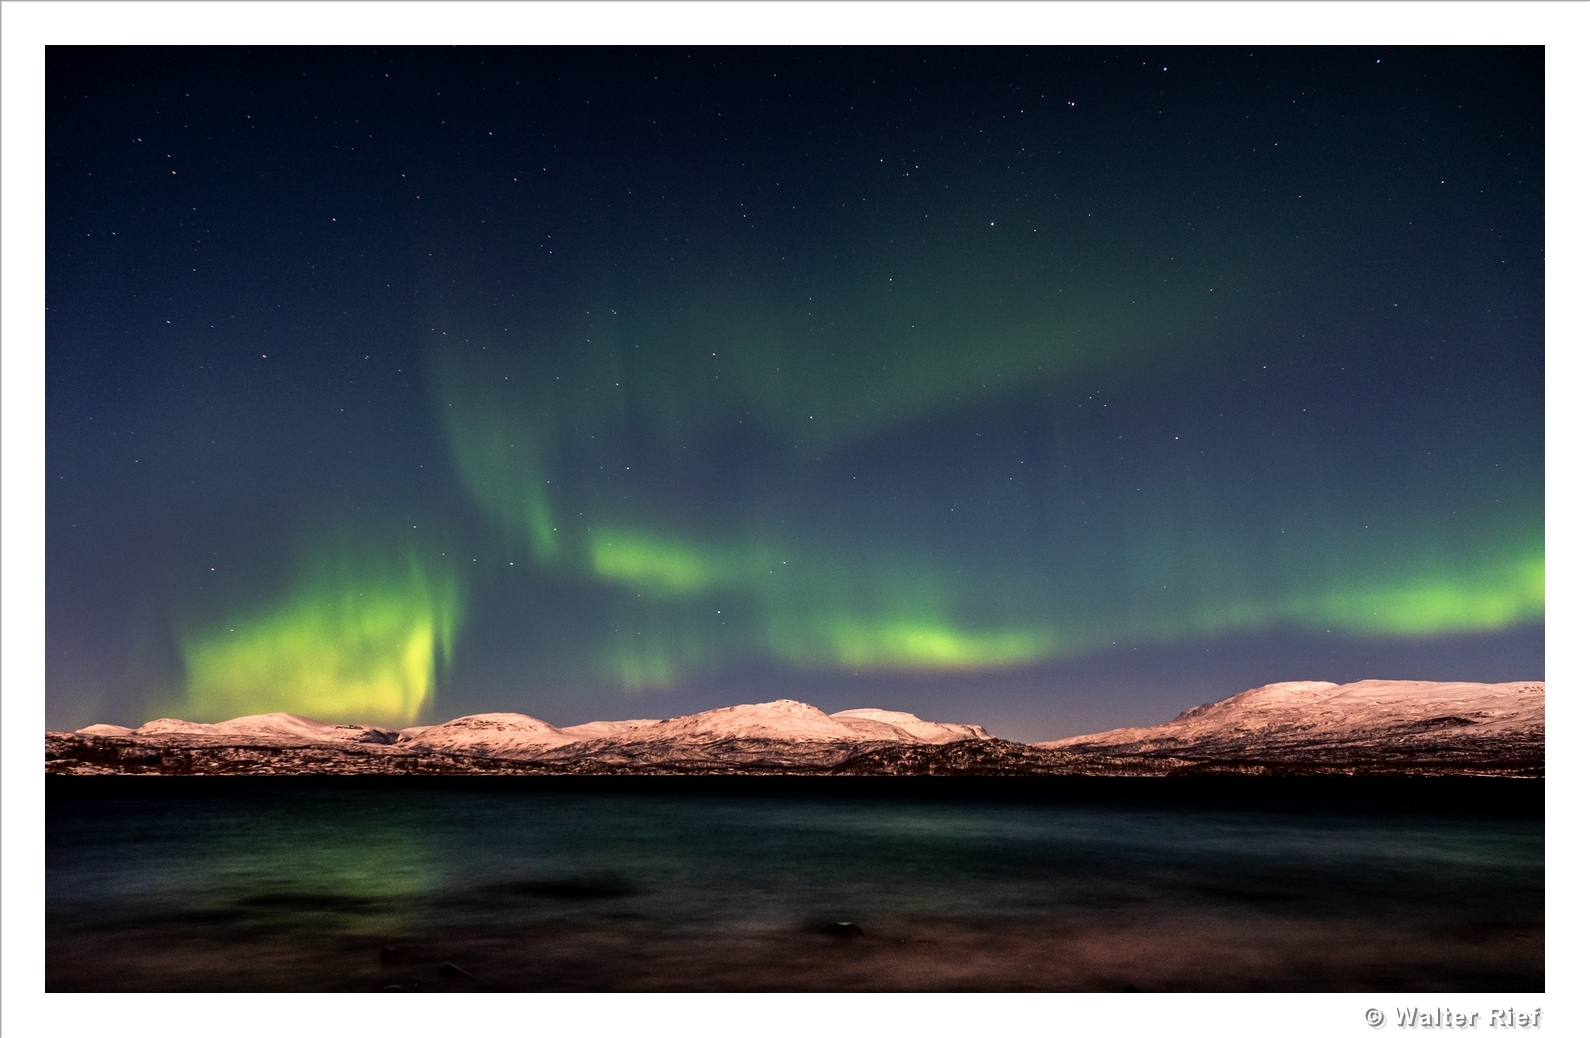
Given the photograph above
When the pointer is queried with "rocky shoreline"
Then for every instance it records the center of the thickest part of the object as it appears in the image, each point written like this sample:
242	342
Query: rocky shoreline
74	754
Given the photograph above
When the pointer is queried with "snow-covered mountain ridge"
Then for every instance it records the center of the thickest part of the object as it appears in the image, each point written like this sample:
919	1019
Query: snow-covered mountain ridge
1432	727
735	732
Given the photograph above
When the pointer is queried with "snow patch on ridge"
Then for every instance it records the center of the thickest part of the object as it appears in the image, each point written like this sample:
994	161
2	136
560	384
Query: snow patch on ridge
911	724
104	729
278	729
505	734
608	729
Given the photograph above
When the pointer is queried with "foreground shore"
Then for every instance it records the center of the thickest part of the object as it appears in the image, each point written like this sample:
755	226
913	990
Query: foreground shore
71	754
767	883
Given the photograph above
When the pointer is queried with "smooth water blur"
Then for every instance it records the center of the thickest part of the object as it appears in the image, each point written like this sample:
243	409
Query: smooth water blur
175	884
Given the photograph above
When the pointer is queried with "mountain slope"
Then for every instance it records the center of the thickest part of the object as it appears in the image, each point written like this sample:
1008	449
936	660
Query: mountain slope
1321	722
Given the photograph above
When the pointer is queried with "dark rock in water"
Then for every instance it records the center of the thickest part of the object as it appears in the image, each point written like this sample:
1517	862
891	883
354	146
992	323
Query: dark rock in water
1132	987
452	972
409	984
842	930
392	953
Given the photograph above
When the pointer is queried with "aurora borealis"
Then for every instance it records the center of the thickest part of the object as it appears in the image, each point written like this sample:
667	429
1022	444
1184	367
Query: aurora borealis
1048	389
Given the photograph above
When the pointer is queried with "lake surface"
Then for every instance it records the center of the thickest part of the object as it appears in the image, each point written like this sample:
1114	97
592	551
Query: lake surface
247	884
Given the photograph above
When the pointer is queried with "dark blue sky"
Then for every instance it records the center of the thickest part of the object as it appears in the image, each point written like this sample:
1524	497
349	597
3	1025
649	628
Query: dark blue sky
1048	389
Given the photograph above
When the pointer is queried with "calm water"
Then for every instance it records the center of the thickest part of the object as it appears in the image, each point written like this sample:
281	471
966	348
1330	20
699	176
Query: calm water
284	884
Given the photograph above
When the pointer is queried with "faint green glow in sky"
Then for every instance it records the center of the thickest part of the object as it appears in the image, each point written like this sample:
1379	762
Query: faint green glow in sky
1485	598
887	350
911	643
352	642
668	567
502	455
897	341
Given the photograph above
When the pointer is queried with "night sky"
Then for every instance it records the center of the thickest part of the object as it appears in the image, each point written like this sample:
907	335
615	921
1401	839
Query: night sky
1048	389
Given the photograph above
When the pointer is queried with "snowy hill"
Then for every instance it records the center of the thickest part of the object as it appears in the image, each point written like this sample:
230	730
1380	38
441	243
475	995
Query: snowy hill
1318	720
780	733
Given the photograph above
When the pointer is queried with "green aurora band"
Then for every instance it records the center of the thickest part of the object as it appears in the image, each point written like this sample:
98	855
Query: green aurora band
544	436
353	641
777	570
